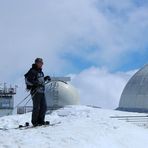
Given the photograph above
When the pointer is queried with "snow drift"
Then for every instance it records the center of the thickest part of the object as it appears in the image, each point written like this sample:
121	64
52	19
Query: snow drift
81	126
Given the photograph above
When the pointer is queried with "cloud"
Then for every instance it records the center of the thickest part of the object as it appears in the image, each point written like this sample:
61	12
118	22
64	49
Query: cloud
100	32
99	87
96	86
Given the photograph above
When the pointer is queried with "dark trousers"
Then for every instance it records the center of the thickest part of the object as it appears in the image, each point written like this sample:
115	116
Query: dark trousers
39	108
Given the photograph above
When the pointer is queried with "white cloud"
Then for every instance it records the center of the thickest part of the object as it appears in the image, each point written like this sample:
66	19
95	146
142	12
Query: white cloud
51	28
99	31
97	86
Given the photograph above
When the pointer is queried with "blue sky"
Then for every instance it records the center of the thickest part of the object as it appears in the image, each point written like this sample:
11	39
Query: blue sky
94	33
73	36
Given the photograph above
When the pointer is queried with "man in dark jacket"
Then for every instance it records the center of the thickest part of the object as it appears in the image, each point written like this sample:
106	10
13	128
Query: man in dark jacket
36	80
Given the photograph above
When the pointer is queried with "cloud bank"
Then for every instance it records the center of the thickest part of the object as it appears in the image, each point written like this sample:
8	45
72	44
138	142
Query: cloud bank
99	87
96	86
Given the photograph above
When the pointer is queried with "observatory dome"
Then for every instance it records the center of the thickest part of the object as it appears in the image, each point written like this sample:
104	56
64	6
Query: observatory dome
135	93
59	94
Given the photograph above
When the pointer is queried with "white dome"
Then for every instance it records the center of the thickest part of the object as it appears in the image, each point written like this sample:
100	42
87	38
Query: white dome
135	94
59	94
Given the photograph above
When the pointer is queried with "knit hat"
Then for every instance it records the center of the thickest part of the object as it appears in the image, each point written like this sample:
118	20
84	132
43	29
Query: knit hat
38	60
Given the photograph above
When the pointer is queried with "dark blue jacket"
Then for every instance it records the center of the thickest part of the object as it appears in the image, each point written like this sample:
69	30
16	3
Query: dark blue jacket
36	77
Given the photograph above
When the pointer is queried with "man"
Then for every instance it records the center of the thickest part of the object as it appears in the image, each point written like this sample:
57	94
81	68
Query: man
36	83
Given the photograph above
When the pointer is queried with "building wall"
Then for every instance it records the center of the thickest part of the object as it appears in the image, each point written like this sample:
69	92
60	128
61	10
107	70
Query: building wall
4	112
135	94
6	105
6	102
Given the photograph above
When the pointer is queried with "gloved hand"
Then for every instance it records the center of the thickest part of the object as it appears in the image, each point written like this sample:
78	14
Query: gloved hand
47	78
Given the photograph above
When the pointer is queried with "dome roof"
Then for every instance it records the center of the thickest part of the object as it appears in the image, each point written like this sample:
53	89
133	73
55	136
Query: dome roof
135	93
59	94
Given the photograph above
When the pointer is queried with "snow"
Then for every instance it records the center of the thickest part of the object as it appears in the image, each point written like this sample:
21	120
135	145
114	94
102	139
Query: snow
81	127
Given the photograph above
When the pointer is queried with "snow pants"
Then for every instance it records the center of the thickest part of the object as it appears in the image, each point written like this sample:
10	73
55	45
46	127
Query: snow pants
39	108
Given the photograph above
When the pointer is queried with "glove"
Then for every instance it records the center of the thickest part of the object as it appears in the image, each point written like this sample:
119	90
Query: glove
47	78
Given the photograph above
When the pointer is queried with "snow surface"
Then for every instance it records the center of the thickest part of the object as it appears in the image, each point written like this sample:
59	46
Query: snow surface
81	127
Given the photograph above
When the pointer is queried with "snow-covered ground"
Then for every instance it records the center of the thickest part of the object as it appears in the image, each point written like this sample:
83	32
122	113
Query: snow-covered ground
81	127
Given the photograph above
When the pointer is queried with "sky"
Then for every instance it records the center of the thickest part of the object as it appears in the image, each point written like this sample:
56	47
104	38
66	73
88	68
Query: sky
100	43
